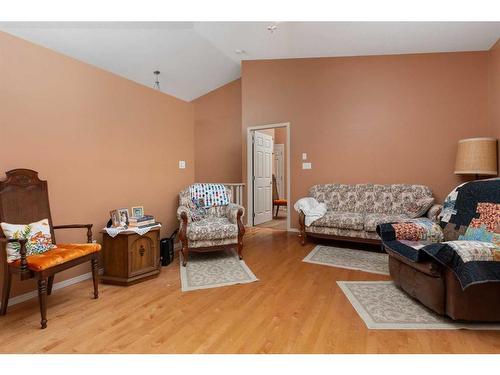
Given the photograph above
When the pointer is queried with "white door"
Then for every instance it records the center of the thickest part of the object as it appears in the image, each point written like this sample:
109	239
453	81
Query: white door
262	178
279	167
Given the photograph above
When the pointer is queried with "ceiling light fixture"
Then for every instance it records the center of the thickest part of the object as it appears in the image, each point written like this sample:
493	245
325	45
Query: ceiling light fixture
239	51
157	80
272	28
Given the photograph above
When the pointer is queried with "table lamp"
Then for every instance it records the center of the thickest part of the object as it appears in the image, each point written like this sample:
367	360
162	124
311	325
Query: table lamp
477	156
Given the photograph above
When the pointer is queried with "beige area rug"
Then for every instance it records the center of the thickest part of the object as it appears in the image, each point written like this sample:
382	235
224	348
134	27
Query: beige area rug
352	259
212	270
382	305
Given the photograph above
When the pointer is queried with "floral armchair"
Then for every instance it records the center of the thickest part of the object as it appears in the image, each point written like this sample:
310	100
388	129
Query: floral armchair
209	229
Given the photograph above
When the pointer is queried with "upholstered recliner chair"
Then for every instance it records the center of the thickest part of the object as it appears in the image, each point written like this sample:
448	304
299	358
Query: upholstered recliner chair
452	266
209	229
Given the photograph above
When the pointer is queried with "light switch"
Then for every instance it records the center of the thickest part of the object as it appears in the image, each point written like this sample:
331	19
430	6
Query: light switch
306	165
182	164
304	156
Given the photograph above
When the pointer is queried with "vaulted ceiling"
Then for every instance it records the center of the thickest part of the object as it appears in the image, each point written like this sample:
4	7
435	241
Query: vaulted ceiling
197	57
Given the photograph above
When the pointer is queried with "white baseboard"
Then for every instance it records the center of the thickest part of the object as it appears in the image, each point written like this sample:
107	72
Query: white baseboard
61	284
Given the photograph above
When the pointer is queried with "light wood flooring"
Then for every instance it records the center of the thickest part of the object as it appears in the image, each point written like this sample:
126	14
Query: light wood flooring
278	223
296	307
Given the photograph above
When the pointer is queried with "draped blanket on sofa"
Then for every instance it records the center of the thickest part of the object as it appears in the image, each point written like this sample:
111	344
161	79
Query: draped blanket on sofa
466	240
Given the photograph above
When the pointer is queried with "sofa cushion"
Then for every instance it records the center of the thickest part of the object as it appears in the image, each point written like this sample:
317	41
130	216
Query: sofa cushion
344	220
378	199
404	196
340	232
328	194
370	198
213	228
372	220
419	207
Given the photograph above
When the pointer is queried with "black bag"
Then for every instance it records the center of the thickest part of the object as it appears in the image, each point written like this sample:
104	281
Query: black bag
167	249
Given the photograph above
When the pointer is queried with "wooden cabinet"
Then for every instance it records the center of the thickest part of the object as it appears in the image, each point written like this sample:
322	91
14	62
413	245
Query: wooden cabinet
130	258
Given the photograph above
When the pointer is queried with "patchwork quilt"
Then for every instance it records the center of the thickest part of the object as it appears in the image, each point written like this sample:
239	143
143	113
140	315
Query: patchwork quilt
467	239
208	195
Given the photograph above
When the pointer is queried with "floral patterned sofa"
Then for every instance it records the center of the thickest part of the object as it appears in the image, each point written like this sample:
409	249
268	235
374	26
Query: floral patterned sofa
354	211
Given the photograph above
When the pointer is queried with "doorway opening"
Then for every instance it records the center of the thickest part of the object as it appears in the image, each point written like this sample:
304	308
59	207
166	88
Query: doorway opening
268	169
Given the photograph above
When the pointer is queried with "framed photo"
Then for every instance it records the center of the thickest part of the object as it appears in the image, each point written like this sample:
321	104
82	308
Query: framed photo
115	218
138	211
123	216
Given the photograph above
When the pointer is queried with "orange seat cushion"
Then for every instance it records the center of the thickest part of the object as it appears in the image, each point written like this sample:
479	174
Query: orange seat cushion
280	202
61	254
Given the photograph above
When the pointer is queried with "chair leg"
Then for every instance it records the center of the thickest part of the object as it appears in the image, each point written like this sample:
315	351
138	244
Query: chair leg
277	211
50	282
7	281
303	236
185	255
42	297
240	249
95	275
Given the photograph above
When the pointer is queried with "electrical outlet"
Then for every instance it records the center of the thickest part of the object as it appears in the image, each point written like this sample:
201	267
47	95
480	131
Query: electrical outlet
182	164
304	156
306	165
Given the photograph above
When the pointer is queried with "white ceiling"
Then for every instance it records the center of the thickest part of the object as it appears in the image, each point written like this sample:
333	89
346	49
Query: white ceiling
197	57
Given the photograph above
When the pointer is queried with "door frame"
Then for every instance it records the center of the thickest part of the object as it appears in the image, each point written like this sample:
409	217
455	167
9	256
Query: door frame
251	129
282	147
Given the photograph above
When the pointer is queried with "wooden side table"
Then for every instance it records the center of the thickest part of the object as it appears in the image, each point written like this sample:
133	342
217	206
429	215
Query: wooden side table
130	258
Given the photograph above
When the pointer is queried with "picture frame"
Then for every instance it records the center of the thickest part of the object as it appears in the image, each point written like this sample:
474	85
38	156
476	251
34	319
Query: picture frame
123	215
115	218
137	211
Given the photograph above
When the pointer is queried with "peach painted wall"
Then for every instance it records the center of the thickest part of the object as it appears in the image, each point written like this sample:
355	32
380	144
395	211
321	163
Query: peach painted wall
101	141
379	119
494	93
217	134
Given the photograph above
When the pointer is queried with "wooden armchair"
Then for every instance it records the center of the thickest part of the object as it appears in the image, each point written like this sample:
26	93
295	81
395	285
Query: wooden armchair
24	199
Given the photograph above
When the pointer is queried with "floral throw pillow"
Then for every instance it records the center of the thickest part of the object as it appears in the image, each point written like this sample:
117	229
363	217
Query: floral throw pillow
37	234
419	207
198	210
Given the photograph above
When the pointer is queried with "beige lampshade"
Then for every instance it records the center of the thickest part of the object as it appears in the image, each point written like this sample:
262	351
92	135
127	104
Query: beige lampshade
477	156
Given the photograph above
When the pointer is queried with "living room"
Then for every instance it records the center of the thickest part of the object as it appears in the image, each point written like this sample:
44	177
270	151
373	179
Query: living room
295	186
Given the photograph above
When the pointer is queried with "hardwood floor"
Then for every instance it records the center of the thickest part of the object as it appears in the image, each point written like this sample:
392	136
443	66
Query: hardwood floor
296	307
278	223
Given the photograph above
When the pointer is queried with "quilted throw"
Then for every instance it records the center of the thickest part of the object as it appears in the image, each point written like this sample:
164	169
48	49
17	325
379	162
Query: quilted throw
470	228
208	195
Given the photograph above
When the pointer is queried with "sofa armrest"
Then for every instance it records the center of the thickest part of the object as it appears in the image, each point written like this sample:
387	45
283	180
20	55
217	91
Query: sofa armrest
419	230
184	211
184	216
434	212
232	210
